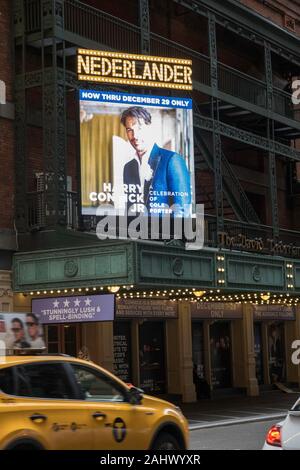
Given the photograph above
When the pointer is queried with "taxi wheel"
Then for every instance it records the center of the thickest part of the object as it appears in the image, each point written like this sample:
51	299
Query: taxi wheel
166	441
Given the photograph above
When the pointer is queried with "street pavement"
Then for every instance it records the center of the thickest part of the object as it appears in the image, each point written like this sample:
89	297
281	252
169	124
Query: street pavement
237	409
247	436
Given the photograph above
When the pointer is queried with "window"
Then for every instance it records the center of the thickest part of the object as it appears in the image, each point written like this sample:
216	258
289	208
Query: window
63	338
296	407
6	381
43	381
96	387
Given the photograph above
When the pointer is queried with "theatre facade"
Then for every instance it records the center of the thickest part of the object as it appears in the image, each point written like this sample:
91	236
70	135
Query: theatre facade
186	323
172	318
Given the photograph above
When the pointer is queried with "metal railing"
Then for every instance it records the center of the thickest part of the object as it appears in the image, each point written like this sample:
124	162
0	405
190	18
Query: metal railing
101	27
116	34
236	189
282	104
165	48
72	210
233	189
241	86
37	210
36	214
32	16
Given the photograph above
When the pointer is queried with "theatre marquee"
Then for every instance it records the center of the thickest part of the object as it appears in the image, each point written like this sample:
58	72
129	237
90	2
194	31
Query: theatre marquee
134	69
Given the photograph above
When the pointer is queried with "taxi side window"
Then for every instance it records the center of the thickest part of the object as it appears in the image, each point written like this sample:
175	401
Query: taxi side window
96	387
7	381
43	381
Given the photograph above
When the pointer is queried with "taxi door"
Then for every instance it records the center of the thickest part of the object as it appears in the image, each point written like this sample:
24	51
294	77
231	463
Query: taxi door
116	424
121	426
46	407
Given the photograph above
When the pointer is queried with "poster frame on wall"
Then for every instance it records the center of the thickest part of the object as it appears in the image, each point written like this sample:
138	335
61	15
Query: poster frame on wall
65	319
130	191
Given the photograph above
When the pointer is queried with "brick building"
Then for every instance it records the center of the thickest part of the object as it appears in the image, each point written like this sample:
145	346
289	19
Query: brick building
8	241
243	287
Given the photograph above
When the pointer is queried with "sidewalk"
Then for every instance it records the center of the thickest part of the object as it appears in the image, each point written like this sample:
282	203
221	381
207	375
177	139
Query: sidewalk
237	409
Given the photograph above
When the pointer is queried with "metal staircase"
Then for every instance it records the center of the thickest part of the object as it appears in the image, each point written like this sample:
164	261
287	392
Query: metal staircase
233	189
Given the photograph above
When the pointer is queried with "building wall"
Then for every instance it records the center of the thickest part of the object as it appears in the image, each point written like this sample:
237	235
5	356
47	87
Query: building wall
7	181
276	10
7	126
173	21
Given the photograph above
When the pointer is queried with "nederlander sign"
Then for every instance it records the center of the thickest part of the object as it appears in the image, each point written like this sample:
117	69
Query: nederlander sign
134	69
244	243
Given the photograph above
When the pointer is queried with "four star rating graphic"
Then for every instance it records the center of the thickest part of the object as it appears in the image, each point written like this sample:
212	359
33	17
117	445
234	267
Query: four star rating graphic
76	302
79	308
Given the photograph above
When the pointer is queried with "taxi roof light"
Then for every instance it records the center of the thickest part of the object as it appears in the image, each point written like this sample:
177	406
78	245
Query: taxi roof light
24	351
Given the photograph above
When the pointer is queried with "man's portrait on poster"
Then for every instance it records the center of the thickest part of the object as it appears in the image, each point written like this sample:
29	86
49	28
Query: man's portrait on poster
136	155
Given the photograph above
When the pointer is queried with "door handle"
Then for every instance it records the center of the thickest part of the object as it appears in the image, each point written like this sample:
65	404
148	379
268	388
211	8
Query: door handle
98	416
37	418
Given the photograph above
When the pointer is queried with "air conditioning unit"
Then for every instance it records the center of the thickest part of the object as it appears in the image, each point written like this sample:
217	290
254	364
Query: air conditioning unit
290	23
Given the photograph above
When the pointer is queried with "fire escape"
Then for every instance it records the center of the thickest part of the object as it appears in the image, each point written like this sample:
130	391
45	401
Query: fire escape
237	106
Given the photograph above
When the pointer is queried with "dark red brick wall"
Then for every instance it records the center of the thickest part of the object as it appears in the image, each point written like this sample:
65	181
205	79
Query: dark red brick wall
6	57
7	182
276	10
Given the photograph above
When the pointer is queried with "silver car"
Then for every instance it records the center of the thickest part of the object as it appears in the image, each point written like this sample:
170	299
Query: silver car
286	434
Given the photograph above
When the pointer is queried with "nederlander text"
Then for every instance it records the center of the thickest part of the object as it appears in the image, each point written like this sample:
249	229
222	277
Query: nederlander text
114	67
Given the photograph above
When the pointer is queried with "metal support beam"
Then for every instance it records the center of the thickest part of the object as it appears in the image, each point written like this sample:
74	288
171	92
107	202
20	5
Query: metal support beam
270	136
269	76
217	144
248	138
54	124
54	149
144	26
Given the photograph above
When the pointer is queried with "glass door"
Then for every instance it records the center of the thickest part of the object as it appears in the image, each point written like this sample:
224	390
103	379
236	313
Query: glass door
63	339
258	351
277	365
152	357
220	354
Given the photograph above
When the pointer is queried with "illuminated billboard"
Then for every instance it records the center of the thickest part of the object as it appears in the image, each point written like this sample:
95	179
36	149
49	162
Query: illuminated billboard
136	154
134	69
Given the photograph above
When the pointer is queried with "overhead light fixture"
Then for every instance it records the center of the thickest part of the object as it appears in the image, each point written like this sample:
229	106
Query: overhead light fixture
199	293
265	296
114	289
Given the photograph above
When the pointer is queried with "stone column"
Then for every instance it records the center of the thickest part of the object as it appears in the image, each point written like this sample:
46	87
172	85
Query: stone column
173	357
185	353
98	337
6	293
249	355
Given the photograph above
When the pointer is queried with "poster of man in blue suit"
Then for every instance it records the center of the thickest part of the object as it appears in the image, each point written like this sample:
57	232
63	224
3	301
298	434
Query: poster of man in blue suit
136	154
161	174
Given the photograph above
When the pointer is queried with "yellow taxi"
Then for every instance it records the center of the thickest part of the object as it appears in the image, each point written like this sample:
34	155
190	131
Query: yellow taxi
63	403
